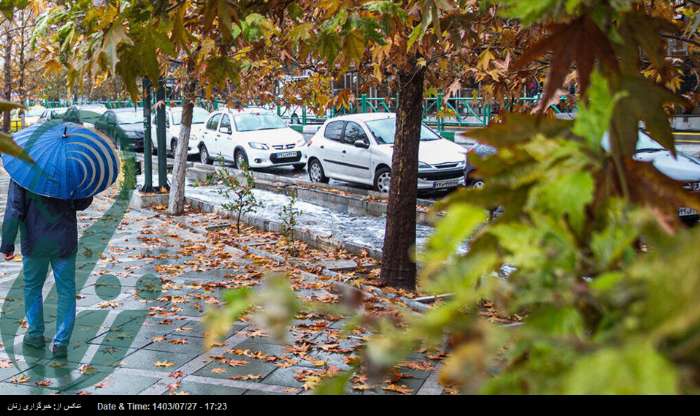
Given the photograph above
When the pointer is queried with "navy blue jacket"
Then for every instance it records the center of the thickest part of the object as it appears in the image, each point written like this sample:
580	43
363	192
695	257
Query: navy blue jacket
49	227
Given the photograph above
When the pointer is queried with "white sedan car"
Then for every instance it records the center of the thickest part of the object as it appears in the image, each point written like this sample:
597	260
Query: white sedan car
173	122
358	148
256	137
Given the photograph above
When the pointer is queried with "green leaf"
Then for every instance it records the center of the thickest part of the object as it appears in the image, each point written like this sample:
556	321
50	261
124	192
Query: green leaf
334	385
8	146
593	117
565	195
556	322
635	369
460	221
517	128
7	105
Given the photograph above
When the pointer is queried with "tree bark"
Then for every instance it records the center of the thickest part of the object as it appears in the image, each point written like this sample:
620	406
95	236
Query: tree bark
7	88
22	67
176	199
398	268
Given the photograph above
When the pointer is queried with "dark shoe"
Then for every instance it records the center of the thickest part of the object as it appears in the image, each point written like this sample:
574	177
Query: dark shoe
33	341
59	351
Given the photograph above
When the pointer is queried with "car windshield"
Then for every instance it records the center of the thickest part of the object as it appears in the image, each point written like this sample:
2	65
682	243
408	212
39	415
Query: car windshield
385	128
256	121
199	115
129	117
35	112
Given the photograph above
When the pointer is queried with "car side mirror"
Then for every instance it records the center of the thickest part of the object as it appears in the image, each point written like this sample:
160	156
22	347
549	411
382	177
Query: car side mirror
362	144
227	130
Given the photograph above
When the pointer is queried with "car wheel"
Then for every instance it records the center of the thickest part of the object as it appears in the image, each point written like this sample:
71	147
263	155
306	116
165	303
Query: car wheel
240	159
477	184
382	180
316	173
299	167
204	155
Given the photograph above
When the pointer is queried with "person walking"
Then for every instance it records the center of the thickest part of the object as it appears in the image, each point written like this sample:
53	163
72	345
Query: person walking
49	236
63	166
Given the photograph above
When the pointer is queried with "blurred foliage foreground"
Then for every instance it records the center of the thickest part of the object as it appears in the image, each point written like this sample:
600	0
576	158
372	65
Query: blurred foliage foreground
603	274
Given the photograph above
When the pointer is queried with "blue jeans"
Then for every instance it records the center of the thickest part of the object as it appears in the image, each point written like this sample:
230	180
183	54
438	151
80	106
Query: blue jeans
35	272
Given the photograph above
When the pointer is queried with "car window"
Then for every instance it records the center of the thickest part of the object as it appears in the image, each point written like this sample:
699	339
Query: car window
199	115
334	130
354	132
258	121
129	117
225	123
213	122
384	130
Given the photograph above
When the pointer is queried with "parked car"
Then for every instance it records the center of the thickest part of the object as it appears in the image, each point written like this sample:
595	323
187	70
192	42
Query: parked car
173	122
31	116
683	168
52	114
255	137
124	126
358	148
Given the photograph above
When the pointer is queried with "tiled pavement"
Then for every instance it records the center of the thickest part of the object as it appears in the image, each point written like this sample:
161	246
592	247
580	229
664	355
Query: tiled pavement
139	320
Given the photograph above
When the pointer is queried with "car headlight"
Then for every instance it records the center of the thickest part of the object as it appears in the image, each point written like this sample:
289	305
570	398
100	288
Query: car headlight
461	163
300	142
259	146
423	165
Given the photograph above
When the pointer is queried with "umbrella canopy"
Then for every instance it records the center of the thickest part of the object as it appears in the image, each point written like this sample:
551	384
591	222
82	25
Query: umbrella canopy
70	161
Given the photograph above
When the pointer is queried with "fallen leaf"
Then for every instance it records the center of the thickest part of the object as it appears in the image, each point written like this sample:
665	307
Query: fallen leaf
164	364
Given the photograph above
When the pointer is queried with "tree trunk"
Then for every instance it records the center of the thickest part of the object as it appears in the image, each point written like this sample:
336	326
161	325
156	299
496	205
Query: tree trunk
7	89
22	68
398	268
176	199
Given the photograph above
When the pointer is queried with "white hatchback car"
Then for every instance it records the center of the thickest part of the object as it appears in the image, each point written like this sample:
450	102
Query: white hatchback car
256	137
173	121
358	148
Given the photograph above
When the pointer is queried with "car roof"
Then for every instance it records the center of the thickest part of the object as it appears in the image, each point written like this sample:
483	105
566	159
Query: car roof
247	110
125	110
363	117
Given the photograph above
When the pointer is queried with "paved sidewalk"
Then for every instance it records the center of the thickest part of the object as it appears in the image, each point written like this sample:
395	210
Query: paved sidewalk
144	283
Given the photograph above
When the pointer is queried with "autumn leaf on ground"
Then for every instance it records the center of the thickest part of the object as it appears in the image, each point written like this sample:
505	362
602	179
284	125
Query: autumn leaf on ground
176	374
164	364
236	363
159	338
218	370
20	379
44	383
101	385
179	341
398	388
247	377
86	369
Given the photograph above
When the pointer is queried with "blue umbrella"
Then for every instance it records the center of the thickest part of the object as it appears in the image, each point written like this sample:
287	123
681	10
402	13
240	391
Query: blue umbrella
70	161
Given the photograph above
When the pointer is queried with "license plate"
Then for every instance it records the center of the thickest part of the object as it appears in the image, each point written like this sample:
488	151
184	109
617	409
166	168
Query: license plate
447	184
684	212
693	186
286	154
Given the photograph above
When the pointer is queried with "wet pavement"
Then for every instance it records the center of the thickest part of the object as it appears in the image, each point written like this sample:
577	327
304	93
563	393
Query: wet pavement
144	282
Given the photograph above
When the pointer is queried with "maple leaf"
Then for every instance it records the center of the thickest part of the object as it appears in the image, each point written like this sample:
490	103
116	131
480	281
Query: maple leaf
164	364
579	42
218	370
179	341
236	363
86	369
111	40
246	377
398	388
44	383
20	379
